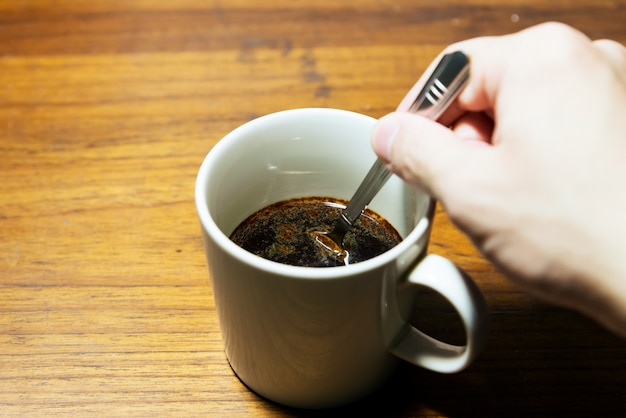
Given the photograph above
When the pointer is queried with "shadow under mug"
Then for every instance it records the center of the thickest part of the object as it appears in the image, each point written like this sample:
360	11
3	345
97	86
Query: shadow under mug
322	337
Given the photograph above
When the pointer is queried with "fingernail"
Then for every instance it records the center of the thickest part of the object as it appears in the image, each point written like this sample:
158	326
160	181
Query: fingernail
385	133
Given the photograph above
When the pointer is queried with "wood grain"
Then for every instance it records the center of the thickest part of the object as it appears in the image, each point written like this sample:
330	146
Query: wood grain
106	112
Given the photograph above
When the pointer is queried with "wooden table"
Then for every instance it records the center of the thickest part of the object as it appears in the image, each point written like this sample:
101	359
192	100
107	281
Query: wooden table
107	109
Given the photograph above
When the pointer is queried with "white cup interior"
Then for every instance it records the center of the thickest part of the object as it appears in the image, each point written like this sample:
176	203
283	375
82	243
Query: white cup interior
298	153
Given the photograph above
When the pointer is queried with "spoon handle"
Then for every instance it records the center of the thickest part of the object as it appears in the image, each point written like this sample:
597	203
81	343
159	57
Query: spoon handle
371	184
441	88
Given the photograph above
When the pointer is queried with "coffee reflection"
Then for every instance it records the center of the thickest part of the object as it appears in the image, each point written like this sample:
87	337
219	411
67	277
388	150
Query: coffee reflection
286	232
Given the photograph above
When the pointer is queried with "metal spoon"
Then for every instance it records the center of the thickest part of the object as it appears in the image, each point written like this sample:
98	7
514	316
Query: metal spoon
443	86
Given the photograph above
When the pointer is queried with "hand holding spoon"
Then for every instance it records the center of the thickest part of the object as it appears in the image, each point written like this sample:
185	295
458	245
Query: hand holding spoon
442	87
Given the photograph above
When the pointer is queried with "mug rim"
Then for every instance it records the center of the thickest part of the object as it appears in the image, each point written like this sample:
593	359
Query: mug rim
297	272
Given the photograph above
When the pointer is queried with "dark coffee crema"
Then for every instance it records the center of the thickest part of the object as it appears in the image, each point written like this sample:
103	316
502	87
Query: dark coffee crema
286	232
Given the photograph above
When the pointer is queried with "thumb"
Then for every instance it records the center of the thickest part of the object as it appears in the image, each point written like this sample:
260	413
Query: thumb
424	153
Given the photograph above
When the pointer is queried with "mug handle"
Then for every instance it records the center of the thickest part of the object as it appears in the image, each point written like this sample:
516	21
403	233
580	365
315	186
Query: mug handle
444	277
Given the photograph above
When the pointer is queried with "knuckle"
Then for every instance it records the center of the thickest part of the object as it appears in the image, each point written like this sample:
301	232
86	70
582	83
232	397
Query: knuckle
613	50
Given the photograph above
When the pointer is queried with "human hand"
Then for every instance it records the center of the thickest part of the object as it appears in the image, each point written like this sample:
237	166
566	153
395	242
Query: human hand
534	167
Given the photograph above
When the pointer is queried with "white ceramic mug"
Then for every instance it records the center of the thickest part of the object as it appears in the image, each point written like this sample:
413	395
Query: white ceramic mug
322	337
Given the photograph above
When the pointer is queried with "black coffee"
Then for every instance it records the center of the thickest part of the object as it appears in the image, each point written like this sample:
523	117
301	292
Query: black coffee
288	232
